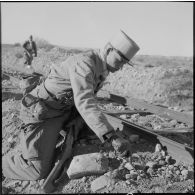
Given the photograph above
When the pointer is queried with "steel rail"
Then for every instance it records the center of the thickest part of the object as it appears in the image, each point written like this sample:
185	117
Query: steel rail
159	110
180	152
143	113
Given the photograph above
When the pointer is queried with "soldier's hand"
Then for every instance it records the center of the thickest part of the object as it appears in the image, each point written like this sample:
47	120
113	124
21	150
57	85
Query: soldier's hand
120	145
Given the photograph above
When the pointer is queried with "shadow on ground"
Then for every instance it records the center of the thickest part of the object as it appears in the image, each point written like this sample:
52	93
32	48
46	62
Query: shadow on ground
9	95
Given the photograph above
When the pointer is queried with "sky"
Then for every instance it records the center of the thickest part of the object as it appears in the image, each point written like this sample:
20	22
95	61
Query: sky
159	28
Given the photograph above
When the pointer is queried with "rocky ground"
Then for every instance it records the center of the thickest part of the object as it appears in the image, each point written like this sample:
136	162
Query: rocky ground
167	81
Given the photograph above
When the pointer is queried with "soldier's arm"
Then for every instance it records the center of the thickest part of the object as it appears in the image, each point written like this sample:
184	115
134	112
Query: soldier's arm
35	49
25	46
82	82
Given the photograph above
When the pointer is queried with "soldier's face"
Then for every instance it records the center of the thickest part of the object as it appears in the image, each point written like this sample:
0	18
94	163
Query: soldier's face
114	61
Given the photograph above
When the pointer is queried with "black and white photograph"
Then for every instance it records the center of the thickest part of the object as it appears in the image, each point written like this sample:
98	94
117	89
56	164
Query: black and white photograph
97	97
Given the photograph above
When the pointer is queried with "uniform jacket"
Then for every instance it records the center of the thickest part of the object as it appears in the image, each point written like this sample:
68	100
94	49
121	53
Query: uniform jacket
83	74
31	48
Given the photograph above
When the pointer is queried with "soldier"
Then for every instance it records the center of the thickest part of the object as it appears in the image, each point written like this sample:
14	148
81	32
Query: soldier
47	107
30	48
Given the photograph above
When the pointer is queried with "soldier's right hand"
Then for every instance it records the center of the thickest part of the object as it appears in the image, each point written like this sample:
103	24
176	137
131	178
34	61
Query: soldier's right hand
120	145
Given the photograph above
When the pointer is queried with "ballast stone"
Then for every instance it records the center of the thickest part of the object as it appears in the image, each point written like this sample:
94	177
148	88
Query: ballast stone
87	165
102	183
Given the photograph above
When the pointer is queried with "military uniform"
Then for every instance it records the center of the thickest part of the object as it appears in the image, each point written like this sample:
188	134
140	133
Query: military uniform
30	49
48	107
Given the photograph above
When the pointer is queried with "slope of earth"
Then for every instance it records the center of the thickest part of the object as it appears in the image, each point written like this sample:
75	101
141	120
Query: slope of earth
161	80
169	84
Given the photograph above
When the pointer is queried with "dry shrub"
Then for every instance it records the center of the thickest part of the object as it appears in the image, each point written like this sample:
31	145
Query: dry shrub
43	44
17	45
179	85
19	55
148	66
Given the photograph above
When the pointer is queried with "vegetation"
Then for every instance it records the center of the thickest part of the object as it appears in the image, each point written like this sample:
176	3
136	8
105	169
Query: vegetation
19	55
43	44
17	45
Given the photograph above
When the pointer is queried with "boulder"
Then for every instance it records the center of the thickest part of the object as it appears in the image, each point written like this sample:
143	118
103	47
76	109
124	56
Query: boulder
129	166
101	183
87	164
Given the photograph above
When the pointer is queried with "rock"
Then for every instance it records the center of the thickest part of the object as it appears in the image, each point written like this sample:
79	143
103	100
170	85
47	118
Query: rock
158	190
151	164
168	159
163	153
113	174
169	175
129	166
150	171
84	179
124	116
13	183
138	166
108	174
127	176
190	168
139	177
25	184
185	173
41	182
158	148
161	162
101	183
10	139
142	175
177	172
181	167
157	126
175	168
171	167
135	192
87	164
173	122
134	138
133	175
111	154
134	155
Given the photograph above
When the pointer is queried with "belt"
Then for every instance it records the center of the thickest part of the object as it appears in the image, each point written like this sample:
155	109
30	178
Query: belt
65	100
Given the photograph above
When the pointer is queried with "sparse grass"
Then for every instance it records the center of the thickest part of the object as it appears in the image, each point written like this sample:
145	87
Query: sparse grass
19	55
17	45
179	86
164	61
148	66
43	44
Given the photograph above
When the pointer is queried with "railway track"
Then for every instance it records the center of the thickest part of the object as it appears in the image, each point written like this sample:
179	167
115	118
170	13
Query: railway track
180	151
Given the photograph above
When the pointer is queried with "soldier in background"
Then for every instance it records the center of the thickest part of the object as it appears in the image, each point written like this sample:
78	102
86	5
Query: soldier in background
30	48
